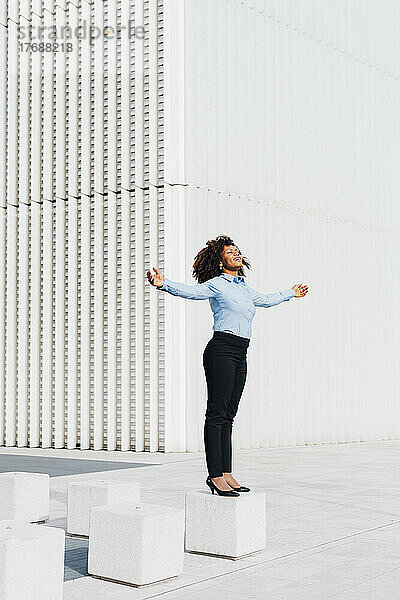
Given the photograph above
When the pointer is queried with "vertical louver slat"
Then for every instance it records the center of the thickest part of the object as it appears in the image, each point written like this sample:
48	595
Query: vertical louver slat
24	184
132	323
47	325
23	324
160	223
48	114
72	331
98	321
35	327
73	106
3	211
99	138
3	113
3	262
85	13
11	326
139	321
125	319
48	172
12	231
111	347
154	390
85	320
110	98
60	236
118	330
3	12
60	291
36	240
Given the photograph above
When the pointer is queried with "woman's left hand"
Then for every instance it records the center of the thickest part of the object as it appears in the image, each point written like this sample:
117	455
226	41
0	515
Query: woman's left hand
300	290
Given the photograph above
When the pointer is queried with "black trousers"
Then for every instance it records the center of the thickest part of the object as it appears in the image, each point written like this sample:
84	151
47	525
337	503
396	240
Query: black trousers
225	366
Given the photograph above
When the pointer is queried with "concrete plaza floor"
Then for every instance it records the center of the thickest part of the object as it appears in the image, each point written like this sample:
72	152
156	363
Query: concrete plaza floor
333	523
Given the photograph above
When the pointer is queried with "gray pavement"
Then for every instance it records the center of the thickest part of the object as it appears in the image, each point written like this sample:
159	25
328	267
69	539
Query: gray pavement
333	525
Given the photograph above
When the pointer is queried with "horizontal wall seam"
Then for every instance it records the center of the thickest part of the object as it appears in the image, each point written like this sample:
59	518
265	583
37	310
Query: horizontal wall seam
298	209
310	36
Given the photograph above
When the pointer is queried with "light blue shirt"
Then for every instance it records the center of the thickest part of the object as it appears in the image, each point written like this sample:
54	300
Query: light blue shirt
232	301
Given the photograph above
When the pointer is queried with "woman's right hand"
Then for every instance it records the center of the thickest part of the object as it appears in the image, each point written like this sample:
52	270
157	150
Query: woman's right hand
157	280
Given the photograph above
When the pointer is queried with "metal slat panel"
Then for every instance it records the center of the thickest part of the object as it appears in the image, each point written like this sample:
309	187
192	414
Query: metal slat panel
3	115
3	12
3	265
139	98
111	347
111	88
72	324
139	321
36	120
59	317
72	116
153	389
126	91
98	322
13	11
23	325
161	326
85	14
12	115
47	325
37	7
118	330
153	91
82	382
99	100
24	8
11	325
176	95
24	125
133	320
35	327
85	323
60	111
125	319
48	167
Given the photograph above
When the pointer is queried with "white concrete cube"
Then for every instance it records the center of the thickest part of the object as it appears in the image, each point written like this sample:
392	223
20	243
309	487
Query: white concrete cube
225	526
31	562
84	495
136	544
24	497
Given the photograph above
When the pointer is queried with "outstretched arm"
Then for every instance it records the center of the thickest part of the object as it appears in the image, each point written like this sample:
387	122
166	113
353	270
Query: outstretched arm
201	291
272	299
297	291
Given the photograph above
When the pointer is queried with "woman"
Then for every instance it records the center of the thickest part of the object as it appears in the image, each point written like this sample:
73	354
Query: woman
218	268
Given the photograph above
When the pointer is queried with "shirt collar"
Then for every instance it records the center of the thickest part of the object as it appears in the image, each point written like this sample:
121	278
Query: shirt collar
231	278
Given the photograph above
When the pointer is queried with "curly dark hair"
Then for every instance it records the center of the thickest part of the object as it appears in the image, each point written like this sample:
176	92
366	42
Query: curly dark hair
206	262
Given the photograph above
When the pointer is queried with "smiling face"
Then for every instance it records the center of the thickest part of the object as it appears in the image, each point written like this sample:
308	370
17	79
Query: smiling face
231	258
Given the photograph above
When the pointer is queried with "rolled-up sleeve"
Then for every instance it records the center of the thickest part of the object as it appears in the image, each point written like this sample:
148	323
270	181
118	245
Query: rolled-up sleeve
200	291
272	299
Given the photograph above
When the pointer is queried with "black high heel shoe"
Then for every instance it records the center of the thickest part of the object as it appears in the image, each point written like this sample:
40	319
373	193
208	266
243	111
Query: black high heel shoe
242	488
214	488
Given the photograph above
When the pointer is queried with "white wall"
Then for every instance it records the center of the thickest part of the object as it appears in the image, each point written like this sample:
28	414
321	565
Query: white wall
291	140
274	122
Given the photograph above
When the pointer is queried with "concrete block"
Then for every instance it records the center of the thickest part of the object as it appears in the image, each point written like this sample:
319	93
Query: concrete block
31	562
225	526
24	497
84	495
136	544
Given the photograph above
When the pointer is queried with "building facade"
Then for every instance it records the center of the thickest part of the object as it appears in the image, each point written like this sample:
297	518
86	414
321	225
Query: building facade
168	123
